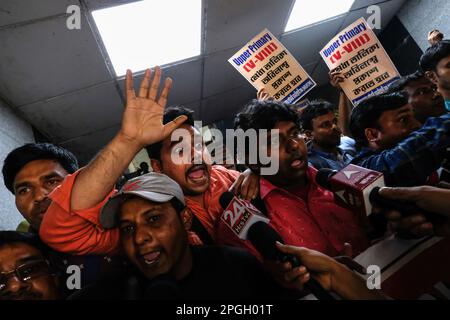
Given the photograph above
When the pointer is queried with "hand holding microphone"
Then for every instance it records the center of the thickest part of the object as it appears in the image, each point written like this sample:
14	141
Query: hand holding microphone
330	274
357	189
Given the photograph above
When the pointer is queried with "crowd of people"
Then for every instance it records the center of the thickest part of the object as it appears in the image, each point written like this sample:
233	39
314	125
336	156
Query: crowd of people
160	235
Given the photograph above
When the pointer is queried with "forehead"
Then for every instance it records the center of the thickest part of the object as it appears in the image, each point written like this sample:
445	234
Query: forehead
393	113
38	168
11	254
419	83
325	117
284	126
135	206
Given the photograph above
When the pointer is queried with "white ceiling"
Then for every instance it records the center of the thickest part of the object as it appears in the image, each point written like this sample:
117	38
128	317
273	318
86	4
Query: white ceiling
61	81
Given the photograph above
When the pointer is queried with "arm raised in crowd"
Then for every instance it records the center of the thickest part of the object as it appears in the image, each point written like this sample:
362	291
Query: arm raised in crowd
141	126
344	106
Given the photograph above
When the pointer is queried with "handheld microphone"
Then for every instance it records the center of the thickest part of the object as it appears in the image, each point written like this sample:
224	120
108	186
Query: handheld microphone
248	223
351	186
357	188
239	215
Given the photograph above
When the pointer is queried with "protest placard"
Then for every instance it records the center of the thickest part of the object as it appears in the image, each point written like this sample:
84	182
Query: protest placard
267	64
359	56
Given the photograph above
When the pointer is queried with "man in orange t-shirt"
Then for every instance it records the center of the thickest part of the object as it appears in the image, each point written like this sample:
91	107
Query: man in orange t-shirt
71	223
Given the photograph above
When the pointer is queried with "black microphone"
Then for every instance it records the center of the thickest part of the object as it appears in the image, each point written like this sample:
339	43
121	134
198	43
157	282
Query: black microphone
263	237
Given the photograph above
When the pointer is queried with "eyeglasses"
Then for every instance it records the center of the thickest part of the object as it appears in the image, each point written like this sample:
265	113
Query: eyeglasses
25	272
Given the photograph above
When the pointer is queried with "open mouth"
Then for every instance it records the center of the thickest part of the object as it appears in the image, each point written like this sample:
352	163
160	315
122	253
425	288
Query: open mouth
298	163
150	258
197	174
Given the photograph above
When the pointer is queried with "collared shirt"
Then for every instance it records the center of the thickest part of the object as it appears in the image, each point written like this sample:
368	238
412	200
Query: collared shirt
308	216
413	160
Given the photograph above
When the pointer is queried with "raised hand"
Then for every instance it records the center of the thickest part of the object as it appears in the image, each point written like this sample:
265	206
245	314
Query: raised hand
335	79
263	95
142	121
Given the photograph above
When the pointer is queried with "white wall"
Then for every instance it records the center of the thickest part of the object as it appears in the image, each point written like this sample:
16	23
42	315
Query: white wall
422	16
14	132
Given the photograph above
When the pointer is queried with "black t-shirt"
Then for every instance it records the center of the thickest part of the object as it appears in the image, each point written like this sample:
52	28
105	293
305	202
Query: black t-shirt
217	273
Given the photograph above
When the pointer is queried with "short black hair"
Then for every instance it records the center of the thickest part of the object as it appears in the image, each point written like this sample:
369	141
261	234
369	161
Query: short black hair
368	112
400	84
170	114
177	205
31	239
21	156
434	54
259	114
313	110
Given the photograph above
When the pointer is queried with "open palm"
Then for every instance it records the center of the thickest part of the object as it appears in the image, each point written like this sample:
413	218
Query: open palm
143	116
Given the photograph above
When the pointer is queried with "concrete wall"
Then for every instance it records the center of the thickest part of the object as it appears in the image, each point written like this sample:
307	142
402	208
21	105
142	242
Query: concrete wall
421	16
14	132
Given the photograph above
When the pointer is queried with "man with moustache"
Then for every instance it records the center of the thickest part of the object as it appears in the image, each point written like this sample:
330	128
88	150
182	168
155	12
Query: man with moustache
32	172
320	125
71	224
302	212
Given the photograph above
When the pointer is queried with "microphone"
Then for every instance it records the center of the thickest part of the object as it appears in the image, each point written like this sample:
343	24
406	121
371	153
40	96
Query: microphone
351	186
239	215
248	223
357	188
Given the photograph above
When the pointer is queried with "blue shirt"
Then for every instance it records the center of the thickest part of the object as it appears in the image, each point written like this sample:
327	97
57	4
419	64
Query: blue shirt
447	105
320	159
411	162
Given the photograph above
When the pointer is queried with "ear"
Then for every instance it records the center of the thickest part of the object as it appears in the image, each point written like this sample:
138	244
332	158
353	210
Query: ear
156	165
372	135
431	75
186	218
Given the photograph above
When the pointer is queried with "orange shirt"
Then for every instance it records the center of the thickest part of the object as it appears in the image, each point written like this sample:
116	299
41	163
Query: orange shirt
76	232
209	216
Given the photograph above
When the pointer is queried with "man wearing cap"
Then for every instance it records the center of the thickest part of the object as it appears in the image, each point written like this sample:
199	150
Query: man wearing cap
152	218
